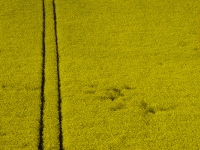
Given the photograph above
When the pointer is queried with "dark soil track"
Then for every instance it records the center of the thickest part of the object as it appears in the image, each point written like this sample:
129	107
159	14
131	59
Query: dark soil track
40	146
41	129
58	78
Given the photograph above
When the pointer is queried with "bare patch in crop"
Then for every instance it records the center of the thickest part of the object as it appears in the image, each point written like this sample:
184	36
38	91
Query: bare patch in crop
112	93
117	94
117	107
3	86
182	44
154	108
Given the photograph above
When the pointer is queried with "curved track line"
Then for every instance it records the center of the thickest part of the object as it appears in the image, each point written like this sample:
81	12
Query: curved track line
40	146
58	75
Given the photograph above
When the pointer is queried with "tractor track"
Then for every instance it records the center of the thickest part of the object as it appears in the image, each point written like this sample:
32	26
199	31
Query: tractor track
41	128
41	122
58	78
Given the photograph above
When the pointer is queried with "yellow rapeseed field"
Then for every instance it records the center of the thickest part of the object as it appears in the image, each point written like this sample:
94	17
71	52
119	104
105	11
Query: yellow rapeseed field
100	75
20	73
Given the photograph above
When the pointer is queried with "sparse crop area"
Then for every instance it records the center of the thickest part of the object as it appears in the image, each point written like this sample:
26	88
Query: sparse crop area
100	75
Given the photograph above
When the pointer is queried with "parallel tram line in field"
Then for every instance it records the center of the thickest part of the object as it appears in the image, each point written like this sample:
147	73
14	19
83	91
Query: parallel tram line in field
44	128
58	77
40	146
